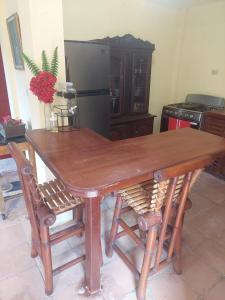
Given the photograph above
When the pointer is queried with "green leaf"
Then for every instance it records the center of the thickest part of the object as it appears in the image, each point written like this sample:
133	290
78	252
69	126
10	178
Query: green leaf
31	65
45	64
54	63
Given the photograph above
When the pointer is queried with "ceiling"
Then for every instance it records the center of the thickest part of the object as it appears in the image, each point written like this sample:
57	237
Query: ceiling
184	3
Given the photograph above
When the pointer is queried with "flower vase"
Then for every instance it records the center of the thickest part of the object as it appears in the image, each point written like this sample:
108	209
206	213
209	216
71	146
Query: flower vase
48	110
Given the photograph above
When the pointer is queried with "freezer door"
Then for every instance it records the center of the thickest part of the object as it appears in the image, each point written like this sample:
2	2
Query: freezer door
87	65
94	113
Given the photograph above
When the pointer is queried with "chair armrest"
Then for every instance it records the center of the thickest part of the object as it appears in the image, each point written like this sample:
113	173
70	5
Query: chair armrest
45	215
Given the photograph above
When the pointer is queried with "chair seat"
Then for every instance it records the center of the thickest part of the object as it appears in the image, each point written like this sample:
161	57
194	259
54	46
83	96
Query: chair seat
57	198
149	195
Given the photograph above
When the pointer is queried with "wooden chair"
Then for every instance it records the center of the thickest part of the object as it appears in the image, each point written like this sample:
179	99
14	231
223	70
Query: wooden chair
160	205
44	202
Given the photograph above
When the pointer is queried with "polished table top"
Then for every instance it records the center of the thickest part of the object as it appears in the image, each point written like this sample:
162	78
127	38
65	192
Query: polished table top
91	165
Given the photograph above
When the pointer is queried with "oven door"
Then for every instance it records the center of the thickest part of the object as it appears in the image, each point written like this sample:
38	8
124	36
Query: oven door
177	123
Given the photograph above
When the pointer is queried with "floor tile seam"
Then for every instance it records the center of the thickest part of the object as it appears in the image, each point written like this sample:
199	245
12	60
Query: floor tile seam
202	196
18	245
200	298
71	246
67	251
220	203
190	217
220	279
200	232
54	294
110	261
68	243
59	288
159	274
190	287
82	263
41	271
206	262
4	226
219	272
17	273
191	249
207	236
205	210
193	289
21	245
196	253
127	294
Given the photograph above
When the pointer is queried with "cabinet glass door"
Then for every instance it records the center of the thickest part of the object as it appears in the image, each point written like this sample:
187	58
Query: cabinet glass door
140	82
117	70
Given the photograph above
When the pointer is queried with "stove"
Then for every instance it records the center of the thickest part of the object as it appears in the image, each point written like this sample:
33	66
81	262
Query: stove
189	113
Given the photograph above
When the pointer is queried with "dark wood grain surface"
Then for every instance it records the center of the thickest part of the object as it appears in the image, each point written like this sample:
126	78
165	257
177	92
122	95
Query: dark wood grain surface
89	164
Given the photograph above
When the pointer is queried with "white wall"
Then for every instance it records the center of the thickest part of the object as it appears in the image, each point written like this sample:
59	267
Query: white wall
84	20
202	57
41	29
15	79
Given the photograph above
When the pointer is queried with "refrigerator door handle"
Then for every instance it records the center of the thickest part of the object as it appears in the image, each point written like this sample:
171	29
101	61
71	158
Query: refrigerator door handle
98	92
67	69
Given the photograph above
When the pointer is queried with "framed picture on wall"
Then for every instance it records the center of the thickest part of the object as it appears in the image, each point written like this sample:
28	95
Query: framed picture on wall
15	40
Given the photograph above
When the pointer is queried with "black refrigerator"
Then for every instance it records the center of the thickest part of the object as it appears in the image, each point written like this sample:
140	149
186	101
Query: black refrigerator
87	66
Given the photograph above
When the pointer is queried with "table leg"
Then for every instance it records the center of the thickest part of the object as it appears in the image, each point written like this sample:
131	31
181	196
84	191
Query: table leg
93	245
32	159
2	204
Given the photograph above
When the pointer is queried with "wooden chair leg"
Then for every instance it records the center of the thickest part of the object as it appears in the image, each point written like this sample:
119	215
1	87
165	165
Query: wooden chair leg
149	250
47	259
2	204
78	216
34	252
142	234
115	225
177	261
32	159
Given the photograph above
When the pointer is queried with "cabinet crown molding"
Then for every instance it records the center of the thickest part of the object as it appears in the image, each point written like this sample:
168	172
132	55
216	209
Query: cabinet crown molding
126	41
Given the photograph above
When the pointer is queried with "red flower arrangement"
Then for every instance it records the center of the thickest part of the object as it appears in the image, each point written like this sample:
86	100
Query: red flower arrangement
42	84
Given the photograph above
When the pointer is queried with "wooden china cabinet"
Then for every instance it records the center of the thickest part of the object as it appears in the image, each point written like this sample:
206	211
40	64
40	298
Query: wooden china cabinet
214	122
130	72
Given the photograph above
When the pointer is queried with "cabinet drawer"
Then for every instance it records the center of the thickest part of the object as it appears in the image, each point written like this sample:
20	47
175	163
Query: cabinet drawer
217	168
119	132
143	127
214	126
215	123
131	129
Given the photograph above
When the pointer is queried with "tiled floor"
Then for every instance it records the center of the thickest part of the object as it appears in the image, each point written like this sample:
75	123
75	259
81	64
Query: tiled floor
203	275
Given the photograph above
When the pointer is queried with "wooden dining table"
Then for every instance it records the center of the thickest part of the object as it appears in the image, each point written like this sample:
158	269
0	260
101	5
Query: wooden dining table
91	166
